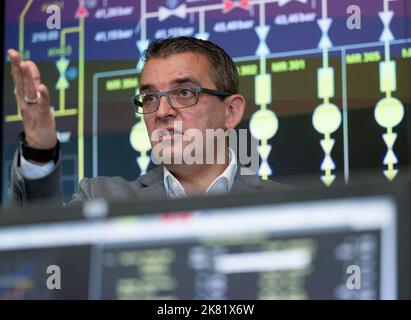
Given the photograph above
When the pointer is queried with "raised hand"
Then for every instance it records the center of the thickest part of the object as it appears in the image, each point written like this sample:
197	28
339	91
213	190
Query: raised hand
33	100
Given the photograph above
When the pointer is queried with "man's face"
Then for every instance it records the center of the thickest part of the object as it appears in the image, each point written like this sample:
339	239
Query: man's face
179	70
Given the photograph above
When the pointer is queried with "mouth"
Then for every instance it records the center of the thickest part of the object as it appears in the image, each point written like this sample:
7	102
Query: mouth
168	134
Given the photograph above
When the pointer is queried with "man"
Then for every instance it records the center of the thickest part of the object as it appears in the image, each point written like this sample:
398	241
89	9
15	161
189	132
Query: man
186	83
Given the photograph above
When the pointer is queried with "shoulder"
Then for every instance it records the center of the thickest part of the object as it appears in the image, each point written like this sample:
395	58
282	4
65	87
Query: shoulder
102	181
110	182
107	187
117	188
275	185
247	180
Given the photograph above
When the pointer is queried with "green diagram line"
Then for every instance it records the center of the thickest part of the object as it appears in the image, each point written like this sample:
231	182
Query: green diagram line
17	117
263	69
21	25
81	101
326	117
324	15
389	111
62	90
66	31
62	111
263	117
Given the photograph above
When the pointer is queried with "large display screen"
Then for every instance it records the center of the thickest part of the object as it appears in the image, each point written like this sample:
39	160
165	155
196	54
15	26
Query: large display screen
327	82
306	250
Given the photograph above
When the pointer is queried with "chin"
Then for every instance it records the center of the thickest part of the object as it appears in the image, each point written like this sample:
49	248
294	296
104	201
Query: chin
166	153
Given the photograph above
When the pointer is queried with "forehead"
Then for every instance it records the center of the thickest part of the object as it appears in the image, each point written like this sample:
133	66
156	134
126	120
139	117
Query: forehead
161	72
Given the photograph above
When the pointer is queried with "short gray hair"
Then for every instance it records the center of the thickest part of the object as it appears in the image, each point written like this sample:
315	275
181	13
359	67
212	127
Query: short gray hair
223	69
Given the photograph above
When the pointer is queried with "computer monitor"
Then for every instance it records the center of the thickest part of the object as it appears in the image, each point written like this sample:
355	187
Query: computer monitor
350	243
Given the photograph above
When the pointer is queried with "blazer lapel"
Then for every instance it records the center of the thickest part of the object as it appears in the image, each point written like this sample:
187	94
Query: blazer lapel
152	184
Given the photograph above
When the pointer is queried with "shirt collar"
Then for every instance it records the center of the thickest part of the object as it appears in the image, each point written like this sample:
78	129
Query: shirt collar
222	184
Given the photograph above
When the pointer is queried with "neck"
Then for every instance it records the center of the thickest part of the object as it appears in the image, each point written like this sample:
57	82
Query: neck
196	178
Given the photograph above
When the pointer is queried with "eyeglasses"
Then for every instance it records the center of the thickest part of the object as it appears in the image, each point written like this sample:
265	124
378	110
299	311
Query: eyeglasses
178	98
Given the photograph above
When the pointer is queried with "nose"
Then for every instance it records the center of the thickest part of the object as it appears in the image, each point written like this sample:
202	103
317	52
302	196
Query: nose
165	110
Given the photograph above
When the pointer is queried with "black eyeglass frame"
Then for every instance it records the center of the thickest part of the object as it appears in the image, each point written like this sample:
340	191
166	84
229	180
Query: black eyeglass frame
137	104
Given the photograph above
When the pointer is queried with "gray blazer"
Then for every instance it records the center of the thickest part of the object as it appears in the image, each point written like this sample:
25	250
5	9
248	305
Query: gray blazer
148	186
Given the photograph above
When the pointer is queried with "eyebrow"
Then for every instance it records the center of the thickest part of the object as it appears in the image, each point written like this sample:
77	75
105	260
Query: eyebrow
147	87
180	81
186	80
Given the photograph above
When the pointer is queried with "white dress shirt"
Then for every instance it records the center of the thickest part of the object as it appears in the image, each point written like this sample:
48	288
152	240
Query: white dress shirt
34	171
221	184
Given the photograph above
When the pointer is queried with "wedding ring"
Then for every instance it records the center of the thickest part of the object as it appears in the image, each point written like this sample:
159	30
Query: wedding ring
32	101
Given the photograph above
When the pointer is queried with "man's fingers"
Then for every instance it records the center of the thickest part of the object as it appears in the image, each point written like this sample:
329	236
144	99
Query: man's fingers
14	56
30	87
34	72
45	96
16	71
27	79
17	75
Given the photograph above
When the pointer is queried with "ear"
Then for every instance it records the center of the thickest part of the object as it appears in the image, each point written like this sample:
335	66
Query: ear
234	111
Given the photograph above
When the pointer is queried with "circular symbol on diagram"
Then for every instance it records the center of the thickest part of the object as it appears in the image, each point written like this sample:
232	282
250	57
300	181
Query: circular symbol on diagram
264	124
326	118
139	138
389	112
